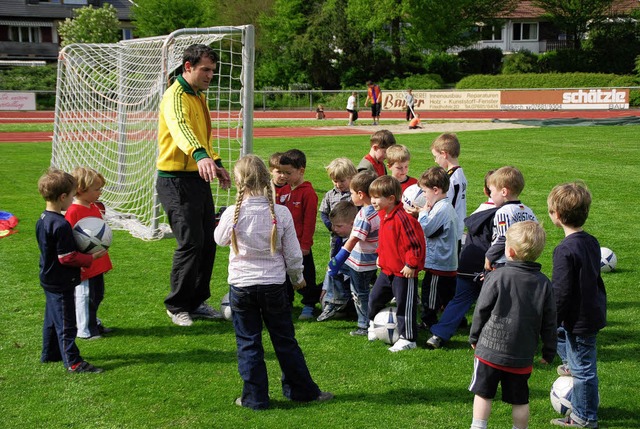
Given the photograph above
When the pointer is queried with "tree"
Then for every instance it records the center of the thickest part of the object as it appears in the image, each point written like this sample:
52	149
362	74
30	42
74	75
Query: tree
280	61
575	16
91	25
614	46
160	17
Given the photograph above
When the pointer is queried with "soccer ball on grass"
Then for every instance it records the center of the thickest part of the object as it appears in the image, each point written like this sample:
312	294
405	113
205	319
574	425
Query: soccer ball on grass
608	260
560	395
385	325
225	307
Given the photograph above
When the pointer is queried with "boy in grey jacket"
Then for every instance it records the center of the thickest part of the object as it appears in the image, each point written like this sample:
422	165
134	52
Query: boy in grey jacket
516	306
442	232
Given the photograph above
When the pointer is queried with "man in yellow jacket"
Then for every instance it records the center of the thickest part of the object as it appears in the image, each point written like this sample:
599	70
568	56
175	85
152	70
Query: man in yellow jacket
186	165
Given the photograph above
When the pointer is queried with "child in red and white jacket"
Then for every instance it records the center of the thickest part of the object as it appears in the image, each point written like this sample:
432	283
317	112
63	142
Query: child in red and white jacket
90	292
302	202
401	255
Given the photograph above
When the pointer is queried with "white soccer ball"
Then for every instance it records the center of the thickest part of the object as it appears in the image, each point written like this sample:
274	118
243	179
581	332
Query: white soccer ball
225	307
414	197
608	260
92	234
560	395
385	325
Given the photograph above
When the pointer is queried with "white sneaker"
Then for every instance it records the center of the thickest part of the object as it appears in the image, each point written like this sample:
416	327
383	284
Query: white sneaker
402	345
180	319
205	311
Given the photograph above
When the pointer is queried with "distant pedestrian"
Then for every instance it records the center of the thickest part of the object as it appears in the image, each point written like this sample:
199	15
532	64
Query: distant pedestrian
410	103
351	108
374	95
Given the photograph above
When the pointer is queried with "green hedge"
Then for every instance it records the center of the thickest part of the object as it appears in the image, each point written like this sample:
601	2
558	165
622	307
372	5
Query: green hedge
542	80
417	81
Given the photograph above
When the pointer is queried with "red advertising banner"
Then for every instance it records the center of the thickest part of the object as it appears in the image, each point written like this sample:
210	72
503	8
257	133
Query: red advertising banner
565	99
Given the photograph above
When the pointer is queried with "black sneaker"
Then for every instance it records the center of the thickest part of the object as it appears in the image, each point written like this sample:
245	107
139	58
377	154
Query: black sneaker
84	366
359	332
423	326
328	312
104	330
435	342
324	397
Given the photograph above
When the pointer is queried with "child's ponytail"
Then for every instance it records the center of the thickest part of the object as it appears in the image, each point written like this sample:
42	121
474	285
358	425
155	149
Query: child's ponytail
236	214
274	220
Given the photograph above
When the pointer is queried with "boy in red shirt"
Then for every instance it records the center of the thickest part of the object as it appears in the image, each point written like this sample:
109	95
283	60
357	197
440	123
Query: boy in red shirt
401	256
374	161
302	202
90	292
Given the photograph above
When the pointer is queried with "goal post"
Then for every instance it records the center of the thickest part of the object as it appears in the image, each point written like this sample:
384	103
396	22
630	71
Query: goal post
106	115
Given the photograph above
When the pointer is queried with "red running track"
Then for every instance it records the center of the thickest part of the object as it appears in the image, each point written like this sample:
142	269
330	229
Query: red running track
317	128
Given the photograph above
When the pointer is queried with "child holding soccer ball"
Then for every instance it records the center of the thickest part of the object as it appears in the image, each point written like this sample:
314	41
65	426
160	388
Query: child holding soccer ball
60	263
264	250
90	292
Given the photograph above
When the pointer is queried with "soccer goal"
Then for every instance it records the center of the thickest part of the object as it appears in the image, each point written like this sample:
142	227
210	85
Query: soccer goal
106	115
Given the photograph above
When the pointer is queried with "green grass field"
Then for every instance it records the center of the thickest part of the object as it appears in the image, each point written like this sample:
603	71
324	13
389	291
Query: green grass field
163	376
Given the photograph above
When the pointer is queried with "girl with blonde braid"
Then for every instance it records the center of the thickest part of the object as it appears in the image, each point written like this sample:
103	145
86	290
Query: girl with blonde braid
264	249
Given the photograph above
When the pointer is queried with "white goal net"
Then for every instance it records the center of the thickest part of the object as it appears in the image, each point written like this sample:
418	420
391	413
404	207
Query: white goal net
106	115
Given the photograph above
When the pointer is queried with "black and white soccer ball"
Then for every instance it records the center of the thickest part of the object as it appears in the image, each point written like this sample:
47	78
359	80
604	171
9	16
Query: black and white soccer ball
92	234
385	325
225	307
560	395
608	260
414	197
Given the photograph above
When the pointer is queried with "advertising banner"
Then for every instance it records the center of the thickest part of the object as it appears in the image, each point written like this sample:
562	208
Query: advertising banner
565	99
17	101
552	99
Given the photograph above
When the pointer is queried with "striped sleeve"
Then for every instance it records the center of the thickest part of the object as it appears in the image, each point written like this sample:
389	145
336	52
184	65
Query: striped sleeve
413	237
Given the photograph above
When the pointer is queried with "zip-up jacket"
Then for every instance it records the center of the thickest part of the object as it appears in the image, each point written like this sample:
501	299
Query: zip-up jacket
184	131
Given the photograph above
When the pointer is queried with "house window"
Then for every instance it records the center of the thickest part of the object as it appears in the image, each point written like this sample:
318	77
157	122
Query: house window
525	31
24	34
491	32
127	33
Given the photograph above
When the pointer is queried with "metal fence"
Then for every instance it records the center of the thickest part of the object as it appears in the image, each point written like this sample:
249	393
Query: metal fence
305	99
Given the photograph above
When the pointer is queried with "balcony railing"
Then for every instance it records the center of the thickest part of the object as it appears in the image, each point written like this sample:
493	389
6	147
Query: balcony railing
32	51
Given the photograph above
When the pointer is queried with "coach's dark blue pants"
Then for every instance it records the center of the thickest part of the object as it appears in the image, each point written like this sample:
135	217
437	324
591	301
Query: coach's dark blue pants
269	303
59	329
189	206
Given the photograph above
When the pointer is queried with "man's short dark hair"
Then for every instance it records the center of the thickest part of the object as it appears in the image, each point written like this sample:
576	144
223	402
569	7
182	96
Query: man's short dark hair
195	53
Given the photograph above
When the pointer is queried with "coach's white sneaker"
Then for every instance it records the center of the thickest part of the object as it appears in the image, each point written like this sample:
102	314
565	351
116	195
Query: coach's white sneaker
180	319
401	345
